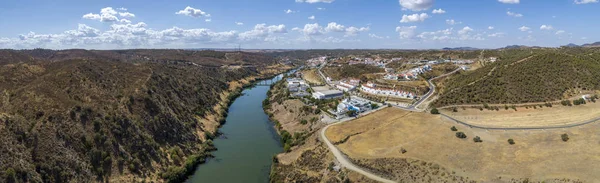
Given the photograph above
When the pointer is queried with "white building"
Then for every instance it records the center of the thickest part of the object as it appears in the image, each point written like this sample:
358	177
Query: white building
348	85
295	82
326	93
372	89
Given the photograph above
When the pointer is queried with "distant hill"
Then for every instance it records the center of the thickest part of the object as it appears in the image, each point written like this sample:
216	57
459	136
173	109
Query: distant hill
94	116
461	48
526	75
596	44
571	45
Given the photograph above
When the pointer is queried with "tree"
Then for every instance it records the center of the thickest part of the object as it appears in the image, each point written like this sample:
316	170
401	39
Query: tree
461	135
374	106
287	147
350	113
511	141
454	109
477	139
303	122
435	111
453	129
11	175
564	137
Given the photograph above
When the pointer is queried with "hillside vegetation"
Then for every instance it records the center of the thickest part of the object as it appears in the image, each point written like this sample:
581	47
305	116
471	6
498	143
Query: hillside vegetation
80	116
526	75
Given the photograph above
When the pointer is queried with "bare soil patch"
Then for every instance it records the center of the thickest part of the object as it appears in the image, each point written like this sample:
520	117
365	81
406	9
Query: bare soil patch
537	155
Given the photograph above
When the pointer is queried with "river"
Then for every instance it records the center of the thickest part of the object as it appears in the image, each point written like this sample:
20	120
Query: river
247	146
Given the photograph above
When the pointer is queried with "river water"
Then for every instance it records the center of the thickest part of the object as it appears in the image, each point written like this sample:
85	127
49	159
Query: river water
247	146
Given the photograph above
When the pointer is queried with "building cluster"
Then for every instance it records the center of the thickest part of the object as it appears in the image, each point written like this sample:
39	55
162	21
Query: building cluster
411	74
347	85
352	104
367	61
315	62
324	92
297	87
372	88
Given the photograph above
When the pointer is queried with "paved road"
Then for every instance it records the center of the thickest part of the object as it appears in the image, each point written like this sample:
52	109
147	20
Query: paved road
415	106
345	162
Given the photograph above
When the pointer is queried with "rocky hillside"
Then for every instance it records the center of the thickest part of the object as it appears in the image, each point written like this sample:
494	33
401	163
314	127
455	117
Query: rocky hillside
123	116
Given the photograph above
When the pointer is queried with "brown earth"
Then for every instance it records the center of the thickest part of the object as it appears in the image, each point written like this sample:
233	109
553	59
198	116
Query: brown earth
538	155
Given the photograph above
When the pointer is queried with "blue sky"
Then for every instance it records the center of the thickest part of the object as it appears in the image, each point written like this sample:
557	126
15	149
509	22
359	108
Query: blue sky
289	24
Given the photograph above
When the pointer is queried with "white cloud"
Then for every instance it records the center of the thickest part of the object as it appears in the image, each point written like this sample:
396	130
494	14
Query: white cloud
208	20
414	18
375	36
416	5
334	27
452	22
509	1
239	23
350	31
513	14
353	31
559	32
319	8
122	9
192	12
406	32
546	27
465	30
262	32
438	11
490	28
497	34
125	21
126	15
107	14
289	11
311	17
524	28
314	1
585	1
312	29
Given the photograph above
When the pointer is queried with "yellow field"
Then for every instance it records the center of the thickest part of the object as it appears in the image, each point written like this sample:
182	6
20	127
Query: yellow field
538	154
312	76
553	116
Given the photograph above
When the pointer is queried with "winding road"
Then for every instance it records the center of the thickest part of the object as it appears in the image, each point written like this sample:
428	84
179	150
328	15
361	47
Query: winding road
345	162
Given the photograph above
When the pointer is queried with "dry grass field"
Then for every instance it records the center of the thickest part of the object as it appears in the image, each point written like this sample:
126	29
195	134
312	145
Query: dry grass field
546	116
312	76
538	155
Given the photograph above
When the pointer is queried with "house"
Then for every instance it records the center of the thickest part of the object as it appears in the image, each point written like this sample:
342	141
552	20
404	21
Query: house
372	88
295	82
353	104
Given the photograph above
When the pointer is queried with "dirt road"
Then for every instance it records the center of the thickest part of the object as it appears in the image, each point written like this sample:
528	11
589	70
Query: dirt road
345	162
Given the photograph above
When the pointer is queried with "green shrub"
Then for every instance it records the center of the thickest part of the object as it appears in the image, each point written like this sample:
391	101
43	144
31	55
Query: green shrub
11	175
477	139
461	135
564	137
453	129
511	141
435	111
303	122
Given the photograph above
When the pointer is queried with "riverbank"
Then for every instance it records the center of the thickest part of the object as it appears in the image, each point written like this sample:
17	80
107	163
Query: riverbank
209	124
306	157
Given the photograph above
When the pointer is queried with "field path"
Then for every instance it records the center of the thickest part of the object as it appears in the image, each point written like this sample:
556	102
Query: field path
345	162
